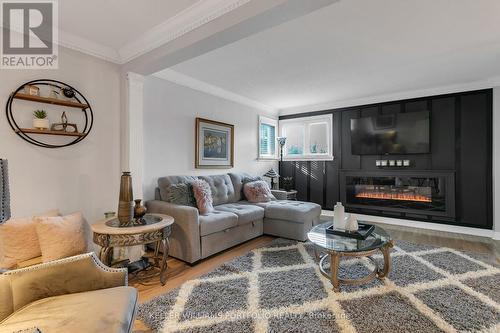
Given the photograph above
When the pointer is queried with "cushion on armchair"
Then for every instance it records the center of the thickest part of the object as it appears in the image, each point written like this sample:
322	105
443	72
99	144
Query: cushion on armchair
61	236
19	239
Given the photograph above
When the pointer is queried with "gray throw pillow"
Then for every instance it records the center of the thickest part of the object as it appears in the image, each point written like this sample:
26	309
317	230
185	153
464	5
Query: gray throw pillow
180	194
250	179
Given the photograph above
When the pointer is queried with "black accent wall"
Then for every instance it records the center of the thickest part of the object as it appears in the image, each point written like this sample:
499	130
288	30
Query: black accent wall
461	142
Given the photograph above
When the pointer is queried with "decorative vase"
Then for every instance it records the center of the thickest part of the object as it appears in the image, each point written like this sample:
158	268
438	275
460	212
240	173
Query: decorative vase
41	123
339	216
126	202
139	210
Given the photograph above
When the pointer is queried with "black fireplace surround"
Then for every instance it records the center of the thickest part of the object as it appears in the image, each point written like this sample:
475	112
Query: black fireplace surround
451	184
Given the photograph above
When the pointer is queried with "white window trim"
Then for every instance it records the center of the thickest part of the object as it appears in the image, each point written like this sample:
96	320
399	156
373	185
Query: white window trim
272	122
328	118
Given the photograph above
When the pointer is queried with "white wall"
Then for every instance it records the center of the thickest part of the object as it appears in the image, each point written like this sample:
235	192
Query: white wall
169	132
82	177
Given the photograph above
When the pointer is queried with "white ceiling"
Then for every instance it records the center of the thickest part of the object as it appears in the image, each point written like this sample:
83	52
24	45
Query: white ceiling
358	48
122	30
113	23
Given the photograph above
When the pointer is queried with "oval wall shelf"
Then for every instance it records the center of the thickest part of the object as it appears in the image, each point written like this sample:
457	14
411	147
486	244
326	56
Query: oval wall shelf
35	136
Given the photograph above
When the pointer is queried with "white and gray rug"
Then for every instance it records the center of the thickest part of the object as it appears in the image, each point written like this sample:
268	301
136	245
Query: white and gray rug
279	289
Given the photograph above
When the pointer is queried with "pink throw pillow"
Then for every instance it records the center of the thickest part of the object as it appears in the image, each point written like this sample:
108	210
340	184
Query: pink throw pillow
19	239
258	191
203	196
61	237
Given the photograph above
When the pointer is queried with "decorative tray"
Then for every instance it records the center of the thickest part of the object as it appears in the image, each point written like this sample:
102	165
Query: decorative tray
364	230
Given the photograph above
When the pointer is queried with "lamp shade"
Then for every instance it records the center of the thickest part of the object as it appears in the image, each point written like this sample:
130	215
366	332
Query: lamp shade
281	140
271	174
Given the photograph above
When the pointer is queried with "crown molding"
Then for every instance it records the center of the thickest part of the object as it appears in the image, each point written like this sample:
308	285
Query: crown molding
83	45
190	82
449	89
191	18
86	46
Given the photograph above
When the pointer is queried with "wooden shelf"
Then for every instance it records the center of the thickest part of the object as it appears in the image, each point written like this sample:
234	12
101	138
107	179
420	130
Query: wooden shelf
49	100
48	132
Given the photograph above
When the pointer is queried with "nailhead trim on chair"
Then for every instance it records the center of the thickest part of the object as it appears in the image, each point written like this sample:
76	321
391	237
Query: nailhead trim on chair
92	255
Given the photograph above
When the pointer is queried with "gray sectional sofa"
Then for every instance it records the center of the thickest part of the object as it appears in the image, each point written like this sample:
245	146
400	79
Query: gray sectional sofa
234	220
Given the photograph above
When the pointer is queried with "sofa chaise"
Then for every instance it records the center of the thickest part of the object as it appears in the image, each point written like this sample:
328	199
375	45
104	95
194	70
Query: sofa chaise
234	220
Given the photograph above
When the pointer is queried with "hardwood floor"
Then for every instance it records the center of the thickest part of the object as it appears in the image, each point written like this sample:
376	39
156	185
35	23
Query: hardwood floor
179	272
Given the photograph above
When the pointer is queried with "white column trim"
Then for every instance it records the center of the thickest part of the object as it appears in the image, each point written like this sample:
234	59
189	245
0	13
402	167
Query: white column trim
134	110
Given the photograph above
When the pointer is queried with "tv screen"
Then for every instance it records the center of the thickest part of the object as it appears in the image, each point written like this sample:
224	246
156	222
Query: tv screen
402	133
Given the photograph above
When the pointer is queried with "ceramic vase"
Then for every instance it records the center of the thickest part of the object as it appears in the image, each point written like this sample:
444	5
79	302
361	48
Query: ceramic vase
139	210
126	202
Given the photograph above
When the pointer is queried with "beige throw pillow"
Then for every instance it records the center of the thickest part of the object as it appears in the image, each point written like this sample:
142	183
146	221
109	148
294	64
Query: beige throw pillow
19	239
61	236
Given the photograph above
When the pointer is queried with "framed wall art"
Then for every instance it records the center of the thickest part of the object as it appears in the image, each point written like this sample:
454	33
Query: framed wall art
214	144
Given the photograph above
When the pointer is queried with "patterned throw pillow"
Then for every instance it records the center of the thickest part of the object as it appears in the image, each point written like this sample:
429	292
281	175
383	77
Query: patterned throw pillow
248	180
258	191
180	194
203	196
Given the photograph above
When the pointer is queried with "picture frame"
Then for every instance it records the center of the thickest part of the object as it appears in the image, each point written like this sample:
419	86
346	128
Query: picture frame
214	144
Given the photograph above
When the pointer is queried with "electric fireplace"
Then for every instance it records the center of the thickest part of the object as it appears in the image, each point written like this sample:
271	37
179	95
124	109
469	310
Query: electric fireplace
425	193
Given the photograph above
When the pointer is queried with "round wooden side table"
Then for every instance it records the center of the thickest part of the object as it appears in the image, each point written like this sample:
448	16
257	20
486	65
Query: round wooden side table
109	234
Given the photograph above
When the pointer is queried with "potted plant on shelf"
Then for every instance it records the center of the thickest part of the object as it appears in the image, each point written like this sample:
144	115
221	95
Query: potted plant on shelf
40	121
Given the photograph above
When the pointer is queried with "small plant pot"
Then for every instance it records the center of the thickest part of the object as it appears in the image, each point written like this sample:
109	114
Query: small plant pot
41	123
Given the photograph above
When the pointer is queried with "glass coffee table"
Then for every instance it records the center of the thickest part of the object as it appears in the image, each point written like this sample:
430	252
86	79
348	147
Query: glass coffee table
336	247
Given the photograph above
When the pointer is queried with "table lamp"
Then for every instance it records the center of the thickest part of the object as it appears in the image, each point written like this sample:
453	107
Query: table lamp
272	174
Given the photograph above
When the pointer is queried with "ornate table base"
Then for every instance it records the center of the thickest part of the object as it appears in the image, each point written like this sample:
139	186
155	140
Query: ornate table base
335	256
160	262
109	237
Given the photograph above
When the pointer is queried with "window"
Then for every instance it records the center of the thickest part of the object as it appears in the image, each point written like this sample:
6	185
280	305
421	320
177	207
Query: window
307	138
268	129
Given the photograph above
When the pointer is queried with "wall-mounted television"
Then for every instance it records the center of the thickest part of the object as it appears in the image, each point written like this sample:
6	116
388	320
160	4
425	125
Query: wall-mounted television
402	133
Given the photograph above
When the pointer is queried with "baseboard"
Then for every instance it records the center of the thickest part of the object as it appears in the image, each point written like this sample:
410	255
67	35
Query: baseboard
426	225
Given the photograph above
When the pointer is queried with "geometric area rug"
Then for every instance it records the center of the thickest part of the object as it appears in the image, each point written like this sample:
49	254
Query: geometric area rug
279	288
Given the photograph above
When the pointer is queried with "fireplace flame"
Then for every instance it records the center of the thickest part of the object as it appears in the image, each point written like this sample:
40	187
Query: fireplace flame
394	196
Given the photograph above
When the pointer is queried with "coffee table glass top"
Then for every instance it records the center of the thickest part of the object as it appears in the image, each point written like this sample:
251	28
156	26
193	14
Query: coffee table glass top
318	235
